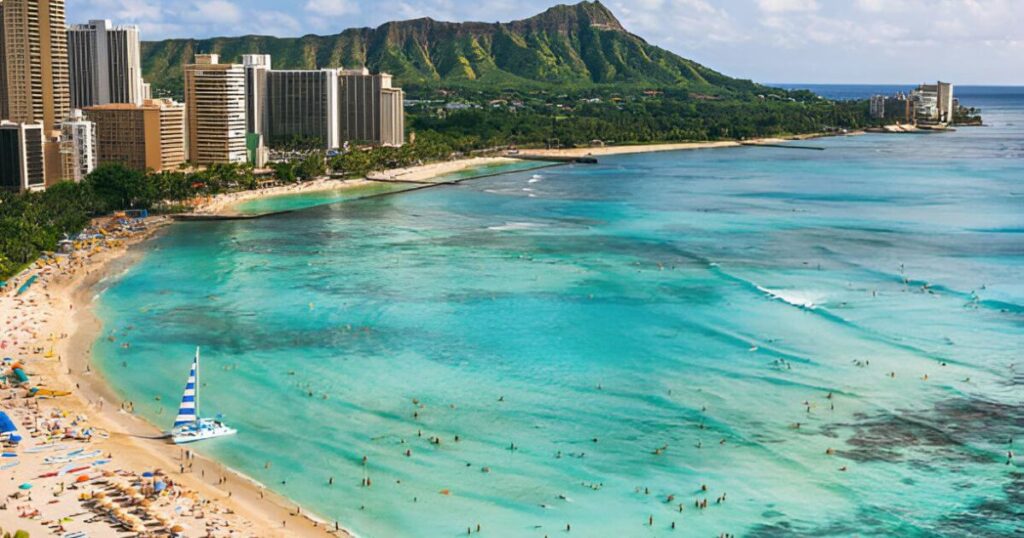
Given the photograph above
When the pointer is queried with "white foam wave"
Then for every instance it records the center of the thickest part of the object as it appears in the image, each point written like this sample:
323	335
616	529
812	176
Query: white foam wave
515	226
793	297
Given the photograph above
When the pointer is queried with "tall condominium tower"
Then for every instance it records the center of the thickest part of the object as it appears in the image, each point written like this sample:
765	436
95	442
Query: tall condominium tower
215	104
37	62
302	106
256	68
21	156
3	67
105	64
371	110
150	136
78	147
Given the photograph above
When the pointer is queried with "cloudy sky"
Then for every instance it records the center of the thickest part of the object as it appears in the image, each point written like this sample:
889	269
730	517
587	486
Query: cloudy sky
840	41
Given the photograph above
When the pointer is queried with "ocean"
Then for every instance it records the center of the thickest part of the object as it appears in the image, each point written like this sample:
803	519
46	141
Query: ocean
817	343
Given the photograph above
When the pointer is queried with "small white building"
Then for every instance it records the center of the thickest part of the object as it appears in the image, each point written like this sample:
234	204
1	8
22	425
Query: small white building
78	147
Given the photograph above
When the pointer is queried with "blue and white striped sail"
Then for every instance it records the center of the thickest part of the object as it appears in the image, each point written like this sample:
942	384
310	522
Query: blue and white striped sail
187	410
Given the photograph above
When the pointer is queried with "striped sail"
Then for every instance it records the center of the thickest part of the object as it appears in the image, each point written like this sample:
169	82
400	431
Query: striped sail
187	410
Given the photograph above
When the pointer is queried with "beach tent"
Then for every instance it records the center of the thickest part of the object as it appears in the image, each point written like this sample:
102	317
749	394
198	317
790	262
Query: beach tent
8	432
6	424
20	375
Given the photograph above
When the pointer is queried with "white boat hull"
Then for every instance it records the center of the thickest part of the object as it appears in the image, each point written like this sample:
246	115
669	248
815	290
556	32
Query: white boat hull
203	429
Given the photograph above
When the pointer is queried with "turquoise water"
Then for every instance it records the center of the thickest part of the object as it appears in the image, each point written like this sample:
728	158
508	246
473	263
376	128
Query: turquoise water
305	200
637	329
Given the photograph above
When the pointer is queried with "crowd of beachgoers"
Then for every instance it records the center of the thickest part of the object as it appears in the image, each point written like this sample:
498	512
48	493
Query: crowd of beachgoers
72	464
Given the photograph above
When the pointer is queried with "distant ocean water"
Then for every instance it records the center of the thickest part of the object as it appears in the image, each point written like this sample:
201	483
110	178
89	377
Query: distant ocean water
636	329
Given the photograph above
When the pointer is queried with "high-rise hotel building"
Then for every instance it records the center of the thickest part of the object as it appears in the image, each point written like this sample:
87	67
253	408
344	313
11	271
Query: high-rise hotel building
328	106
105	64
35	53
3	67
371	110
256	68
21	156
216	111
302	106
150	136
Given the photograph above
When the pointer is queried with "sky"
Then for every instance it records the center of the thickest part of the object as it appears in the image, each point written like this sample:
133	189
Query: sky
798	41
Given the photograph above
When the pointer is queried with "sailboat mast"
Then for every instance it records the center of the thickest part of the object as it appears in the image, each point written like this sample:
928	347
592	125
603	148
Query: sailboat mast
197	383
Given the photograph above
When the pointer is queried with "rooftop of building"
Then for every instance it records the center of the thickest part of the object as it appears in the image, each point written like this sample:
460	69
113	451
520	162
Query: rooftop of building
148	104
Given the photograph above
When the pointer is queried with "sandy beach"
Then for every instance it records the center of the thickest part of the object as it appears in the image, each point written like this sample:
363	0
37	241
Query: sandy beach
430	173
225	204
97	448
598	151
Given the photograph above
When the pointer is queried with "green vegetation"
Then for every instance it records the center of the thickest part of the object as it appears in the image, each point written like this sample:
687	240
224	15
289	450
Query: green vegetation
532	119
33	222
429	147
577	46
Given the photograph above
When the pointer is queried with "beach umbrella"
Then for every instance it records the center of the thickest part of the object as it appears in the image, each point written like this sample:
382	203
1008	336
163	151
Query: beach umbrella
147	474
82	478
6	424
26	485
177	529
159	486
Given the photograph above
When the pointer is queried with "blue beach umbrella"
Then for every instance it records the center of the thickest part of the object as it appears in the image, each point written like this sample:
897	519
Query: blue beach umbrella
159	486
147	474
6	424
26	485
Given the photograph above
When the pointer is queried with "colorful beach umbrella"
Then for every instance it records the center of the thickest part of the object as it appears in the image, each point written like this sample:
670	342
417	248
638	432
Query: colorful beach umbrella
26	485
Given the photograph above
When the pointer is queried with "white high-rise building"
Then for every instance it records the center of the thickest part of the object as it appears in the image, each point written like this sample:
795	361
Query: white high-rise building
215	108
78	147
105	64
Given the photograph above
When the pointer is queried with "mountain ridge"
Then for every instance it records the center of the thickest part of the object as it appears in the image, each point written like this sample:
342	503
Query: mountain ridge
580	45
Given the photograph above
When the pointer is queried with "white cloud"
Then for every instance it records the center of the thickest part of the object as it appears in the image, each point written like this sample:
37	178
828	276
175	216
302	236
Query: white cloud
332	8
214	12
278	23
688	23
872	6
780	6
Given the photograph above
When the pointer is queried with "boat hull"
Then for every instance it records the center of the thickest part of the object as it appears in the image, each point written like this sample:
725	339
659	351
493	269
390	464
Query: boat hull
202	430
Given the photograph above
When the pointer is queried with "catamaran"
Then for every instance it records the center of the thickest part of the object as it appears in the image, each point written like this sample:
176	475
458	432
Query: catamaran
188	426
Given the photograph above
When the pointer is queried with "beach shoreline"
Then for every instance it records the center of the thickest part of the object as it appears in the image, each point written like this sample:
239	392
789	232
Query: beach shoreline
606	151
133	442
427	175
227	205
